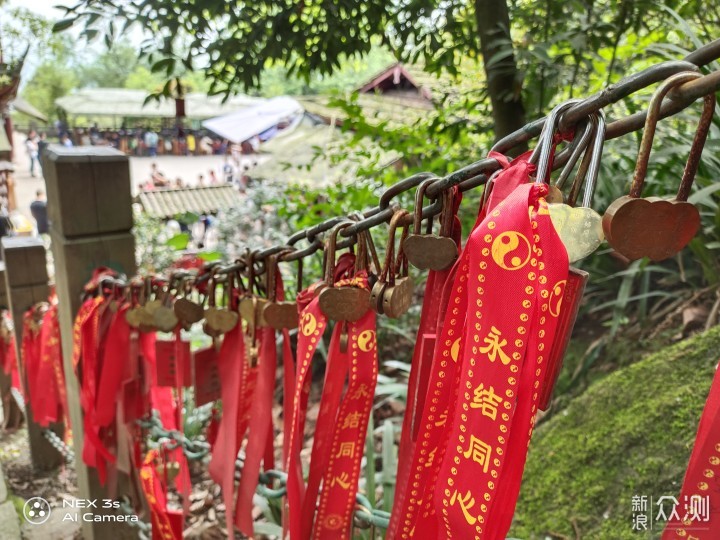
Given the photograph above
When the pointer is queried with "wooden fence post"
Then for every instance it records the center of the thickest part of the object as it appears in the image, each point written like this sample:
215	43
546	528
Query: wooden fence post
90	213
26	280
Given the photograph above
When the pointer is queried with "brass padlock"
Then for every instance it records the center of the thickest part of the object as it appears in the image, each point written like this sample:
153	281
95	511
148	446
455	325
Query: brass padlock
432	251
397	295
219	320
347	302
187	311
145	315
132	315
164	318
277	314
653	227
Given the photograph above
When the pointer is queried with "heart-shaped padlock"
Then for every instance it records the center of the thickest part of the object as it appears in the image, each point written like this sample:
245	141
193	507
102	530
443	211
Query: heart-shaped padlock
652	227
219	320
431	251
347	302
278	314
187	311
579	228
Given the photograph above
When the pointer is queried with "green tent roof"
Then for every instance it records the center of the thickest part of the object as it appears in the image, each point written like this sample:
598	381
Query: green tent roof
131	103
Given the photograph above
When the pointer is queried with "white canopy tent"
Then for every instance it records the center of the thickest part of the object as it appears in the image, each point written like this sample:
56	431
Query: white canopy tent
245	124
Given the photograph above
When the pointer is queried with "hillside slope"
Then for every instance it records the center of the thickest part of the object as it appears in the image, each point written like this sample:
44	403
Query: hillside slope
629	434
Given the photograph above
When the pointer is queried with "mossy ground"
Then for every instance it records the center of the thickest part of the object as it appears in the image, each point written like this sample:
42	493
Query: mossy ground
629	434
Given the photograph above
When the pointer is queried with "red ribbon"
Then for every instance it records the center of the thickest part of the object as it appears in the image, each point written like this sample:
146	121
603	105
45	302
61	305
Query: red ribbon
87	345
342	422
697	515
30	355
340	481
487	368
311	328
233	375
166	524
52	402
260	432
431	318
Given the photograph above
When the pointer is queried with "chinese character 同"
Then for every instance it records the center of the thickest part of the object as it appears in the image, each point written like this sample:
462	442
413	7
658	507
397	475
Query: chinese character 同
347	449
480	452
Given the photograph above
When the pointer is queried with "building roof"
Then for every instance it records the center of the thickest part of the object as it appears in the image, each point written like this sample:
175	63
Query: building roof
24	107
400	94
168	203
131	103
242	125
304	154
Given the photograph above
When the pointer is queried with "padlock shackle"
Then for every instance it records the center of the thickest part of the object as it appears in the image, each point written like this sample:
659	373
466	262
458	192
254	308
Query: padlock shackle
390	262
578	148
543	151
587	172
419	198
330	248
649	134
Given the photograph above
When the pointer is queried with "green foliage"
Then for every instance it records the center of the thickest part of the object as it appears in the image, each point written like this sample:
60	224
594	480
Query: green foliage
152	251
109	69
178	241
629	434
279	80
20	28
50	82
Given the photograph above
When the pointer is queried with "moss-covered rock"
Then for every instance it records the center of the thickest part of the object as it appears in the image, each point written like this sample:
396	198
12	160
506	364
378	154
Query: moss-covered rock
628	434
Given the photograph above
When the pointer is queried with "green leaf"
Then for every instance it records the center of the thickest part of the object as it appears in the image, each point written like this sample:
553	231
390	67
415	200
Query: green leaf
210	256
703	196
63	24
268	529
179	241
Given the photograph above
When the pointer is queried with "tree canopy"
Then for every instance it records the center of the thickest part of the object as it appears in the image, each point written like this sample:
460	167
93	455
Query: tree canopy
530	50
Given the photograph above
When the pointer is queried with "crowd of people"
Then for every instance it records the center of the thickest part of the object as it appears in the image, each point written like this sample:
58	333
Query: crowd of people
233	171
151	142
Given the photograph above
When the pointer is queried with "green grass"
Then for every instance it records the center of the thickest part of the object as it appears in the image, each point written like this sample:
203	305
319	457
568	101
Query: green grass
630	433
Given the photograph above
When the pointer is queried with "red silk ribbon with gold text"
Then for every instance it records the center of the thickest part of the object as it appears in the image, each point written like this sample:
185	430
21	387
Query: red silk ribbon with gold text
697	514
487	368
312	324
342	422
166	524
433	310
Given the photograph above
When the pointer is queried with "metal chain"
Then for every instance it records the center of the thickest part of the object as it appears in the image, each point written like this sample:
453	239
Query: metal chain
170	438
144	529
56	441
365	515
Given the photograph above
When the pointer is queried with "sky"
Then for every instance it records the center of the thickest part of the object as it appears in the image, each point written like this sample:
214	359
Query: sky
46	9
41	7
